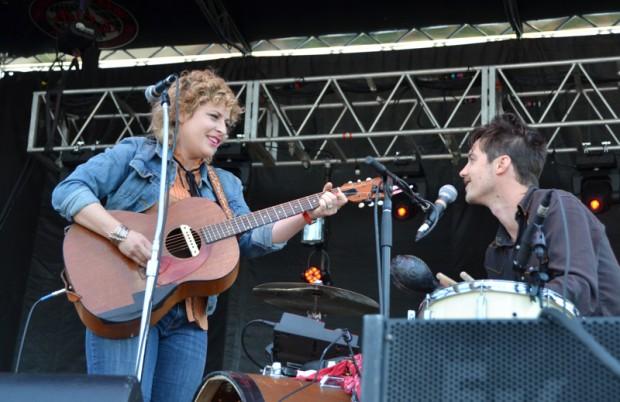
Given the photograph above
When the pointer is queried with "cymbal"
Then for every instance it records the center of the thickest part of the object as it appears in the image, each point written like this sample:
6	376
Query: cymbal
315	298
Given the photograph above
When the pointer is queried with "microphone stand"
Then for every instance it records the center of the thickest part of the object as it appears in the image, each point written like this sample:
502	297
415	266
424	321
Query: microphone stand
539	276
386	243
152	267
389	179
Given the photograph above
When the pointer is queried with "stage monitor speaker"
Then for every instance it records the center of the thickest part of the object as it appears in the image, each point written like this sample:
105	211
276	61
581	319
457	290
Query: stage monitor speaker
487	360
68	387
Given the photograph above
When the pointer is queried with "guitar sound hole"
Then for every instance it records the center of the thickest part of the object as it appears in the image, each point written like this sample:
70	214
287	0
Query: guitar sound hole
177	245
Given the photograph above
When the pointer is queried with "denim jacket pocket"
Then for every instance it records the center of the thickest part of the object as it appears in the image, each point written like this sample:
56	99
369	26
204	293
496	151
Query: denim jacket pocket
138	192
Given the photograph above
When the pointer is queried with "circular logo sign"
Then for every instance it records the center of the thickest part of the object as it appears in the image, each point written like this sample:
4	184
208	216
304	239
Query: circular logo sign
112	24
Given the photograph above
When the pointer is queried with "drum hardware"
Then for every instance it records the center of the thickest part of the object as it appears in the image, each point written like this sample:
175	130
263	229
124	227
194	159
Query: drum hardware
274	370
481	304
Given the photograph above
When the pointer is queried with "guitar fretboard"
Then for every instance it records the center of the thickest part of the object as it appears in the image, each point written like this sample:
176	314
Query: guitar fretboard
243	223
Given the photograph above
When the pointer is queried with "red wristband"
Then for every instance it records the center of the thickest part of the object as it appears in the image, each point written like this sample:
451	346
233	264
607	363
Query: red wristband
307	218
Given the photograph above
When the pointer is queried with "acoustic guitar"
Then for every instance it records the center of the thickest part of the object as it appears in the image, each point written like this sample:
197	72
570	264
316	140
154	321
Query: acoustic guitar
200	258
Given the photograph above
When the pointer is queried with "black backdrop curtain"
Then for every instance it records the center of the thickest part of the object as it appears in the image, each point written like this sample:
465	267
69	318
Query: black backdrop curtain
31	233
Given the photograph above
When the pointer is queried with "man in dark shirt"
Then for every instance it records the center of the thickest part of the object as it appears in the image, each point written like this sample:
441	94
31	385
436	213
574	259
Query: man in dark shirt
502	171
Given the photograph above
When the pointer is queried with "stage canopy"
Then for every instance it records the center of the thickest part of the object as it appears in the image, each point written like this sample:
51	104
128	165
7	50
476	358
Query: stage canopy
31	28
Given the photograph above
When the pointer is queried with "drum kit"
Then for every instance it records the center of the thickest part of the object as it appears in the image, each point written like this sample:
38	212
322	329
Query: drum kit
474	299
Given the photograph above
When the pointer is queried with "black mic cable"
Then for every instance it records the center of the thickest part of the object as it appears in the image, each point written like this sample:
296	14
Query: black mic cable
243	331
25	331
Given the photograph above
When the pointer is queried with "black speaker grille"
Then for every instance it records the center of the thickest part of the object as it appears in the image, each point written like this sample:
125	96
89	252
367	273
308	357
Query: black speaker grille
512	360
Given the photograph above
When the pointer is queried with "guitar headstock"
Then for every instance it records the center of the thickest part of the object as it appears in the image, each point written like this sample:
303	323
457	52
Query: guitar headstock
365	190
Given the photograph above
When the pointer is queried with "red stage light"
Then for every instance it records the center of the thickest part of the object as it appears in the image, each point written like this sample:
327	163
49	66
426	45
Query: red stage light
597	193
402	211
596	205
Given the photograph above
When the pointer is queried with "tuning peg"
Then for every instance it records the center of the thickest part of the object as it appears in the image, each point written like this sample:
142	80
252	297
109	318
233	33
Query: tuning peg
371	204
368	179
380	202
359	181
361	205
350	182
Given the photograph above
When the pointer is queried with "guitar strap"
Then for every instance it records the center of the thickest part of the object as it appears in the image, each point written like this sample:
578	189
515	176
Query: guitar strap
219	192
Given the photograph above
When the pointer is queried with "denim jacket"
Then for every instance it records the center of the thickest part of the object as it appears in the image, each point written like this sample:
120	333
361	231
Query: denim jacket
126	177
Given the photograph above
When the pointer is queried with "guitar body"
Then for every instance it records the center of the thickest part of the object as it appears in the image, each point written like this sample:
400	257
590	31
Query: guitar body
109	287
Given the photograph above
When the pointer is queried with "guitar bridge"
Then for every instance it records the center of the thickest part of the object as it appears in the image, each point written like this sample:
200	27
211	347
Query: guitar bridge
188	237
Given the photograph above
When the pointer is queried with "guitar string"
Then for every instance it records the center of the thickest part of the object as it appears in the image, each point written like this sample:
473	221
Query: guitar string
228	228
176	242
221	230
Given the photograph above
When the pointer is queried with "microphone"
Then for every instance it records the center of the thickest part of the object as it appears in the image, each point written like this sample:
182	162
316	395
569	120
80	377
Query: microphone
447	194
154	92
410	274
525	246
378	166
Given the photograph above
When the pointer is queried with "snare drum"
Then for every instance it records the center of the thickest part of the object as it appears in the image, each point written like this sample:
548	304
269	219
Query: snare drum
228	386
490	299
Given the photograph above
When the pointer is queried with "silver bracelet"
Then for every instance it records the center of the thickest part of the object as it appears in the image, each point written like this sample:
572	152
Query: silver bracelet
119	235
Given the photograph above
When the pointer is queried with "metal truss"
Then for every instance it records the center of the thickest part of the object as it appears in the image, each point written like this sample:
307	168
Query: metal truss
401	115
458	34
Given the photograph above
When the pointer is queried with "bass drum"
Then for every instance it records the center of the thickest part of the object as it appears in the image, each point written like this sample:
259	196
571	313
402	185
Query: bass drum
229	386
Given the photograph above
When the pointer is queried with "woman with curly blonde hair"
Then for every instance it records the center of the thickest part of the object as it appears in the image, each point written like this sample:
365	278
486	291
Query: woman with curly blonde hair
126	176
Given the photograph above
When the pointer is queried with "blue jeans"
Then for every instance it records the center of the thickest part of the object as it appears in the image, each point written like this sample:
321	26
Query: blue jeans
176	352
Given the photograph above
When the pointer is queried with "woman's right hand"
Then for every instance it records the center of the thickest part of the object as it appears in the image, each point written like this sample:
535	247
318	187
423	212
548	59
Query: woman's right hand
136	247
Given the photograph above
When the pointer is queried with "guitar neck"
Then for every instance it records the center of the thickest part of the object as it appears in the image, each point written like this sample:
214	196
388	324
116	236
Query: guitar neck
243	223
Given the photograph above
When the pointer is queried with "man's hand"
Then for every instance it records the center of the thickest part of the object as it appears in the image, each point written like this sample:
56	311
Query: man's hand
445	281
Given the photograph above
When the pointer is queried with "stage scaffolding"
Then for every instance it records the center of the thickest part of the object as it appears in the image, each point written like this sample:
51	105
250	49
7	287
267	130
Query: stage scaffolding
399	115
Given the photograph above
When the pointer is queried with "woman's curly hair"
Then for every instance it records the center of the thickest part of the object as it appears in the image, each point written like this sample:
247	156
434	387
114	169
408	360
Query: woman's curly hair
196	88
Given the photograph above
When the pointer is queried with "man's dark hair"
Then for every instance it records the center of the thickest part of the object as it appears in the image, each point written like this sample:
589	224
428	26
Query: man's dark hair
506	134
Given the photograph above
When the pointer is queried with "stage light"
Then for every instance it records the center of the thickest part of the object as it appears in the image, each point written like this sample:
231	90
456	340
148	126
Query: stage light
412	173
595	205
596	193
402	210
597	181
312	275
317	267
